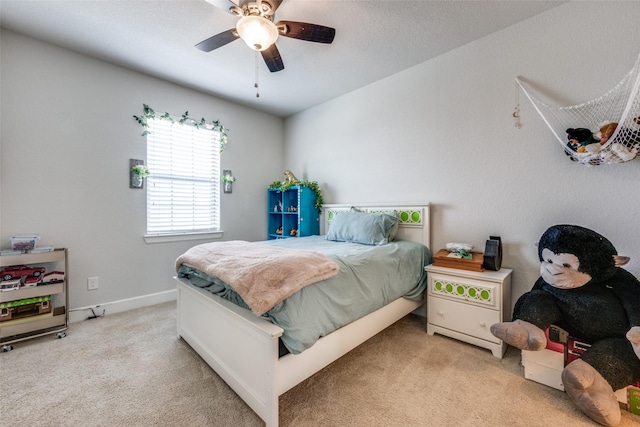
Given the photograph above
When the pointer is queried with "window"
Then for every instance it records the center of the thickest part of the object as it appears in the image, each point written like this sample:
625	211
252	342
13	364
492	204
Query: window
183	191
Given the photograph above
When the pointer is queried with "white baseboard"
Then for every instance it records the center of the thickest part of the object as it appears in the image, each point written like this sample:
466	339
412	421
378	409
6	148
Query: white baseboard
82	313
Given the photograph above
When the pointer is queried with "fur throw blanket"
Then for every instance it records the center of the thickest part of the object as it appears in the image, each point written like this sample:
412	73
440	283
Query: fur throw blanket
262	275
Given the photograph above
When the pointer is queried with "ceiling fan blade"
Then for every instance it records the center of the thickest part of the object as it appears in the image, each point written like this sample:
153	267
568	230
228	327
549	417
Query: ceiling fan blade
218	40
272	58
305	31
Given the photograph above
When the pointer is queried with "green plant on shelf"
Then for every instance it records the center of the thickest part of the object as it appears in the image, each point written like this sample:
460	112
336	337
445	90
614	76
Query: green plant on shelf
312	185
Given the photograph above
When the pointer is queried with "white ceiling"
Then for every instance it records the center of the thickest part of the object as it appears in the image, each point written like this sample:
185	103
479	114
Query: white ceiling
374	39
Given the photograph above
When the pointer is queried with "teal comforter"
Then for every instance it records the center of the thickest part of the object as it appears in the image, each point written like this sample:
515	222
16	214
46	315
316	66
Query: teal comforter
369	278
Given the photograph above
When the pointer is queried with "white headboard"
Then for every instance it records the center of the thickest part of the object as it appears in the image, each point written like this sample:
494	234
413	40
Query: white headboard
415	224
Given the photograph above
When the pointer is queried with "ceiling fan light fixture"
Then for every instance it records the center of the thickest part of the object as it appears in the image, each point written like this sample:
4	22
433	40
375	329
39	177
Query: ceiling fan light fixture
257	32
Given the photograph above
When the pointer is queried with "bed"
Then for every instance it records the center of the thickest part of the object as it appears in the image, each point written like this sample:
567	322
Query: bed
245	350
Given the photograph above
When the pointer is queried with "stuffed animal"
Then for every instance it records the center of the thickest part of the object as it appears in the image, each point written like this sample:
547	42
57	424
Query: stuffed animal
618	152
605	131
290	178
583	290
579	138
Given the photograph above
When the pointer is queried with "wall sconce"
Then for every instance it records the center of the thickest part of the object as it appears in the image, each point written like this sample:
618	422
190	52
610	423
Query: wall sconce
137	173
227	181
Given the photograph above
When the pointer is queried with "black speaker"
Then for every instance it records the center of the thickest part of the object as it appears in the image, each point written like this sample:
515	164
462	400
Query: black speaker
493	254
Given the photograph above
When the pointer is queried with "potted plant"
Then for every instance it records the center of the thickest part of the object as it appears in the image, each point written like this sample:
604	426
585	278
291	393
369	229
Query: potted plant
227	181
138	173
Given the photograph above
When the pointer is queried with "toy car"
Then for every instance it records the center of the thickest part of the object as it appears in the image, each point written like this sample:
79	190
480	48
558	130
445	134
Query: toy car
53	277
31	281
9	285
18	271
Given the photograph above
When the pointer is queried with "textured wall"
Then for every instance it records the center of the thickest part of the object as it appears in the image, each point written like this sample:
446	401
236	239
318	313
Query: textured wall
67	137
443	132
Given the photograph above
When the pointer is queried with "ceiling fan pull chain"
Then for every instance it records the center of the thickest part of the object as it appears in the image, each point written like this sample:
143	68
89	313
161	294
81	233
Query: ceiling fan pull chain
256	84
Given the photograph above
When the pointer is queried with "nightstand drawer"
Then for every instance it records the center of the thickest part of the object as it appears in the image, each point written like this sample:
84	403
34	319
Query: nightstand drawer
476	292
462	317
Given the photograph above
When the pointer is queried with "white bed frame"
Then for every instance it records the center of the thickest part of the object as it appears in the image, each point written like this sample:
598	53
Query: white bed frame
243	348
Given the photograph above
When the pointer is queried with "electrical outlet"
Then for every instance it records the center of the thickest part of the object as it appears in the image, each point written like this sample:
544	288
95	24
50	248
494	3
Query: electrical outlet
92	283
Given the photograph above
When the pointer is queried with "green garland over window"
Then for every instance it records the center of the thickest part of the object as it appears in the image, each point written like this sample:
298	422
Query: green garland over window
313	185
149	114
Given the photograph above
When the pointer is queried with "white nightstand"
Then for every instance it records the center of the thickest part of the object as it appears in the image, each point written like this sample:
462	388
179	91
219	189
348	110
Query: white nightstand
463	304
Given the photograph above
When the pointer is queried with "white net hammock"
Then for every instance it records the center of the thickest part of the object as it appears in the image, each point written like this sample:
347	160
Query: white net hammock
618	109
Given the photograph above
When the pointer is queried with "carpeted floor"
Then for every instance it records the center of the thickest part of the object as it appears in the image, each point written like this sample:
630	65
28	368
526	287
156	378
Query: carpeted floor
130	369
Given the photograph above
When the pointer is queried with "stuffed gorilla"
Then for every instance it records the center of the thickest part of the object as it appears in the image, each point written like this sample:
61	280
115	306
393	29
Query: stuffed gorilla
583	290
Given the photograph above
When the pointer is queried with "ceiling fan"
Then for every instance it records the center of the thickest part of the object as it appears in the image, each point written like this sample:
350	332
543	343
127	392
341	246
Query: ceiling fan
259	32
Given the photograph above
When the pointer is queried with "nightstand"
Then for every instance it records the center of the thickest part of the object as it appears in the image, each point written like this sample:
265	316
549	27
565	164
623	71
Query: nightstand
463	304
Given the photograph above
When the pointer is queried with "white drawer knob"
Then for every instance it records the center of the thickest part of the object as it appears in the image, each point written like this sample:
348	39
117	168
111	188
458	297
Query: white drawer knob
483	324
441	313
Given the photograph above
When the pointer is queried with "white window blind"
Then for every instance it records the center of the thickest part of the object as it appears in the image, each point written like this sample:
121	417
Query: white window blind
183	191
